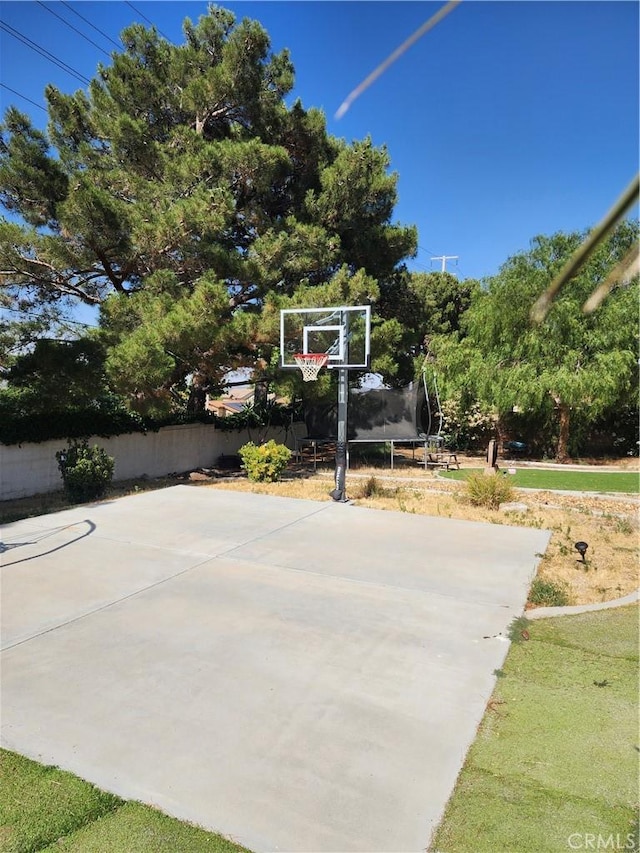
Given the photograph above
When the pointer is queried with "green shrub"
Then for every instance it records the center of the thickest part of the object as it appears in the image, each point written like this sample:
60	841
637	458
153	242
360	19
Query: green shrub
264	463
467	424
260	416
548	594
23	419
86	471
488	490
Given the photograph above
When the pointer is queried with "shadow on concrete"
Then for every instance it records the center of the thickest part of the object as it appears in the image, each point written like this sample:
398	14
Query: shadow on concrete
8	547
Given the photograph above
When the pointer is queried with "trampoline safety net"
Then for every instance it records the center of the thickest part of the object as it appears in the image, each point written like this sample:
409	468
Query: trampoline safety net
377	414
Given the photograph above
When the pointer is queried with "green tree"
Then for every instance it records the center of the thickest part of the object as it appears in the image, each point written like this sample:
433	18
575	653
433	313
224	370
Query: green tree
411	309
60	374
573	367
441	301
180	193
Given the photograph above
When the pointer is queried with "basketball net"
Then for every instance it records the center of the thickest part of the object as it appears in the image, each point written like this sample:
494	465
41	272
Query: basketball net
311	364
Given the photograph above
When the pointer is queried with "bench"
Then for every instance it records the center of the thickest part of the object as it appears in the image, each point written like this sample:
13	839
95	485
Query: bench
441	460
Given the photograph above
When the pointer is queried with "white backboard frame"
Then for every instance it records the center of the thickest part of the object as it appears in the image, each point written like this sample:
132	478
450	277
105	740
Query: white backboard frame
301	327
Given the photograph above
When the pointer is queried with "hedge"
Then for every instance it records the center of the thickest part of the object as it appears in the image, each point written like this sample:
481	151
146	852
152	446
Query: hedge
108	417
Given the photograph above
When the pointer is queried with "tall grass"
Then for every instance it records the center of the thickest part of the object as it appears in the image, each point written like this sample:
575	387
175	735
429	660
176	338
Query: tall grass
488	490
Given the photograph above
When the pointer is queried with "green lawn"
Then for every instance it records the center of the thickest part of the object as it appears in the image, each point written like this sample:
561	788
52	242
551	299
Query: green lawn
556	758
46	809
575	481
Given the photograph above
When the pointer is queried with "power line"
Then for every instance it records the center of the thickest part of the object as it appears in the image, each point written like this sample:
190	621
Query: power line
462	275
75	29
138	12
24	97
428	251
93	26
43	52
421	265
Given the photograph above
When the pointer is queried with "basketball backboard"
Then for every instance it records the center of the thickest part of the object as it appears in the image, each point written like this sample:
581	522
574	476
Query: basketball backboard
342	333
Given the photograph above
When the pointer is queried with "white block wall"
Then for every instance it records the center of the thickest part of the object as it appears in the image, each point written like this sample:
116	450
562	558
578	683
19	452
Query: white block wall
31	469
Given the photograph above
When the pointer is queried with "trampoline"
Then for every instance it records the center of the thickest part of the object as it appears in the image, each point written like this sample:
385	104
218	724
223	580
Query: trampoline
393	416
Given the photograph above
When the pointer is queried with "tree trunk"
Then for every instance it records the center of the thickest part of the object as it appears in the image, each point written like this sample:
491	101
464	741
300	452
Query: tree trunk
197	393
261	393
564	420
502	431
197	400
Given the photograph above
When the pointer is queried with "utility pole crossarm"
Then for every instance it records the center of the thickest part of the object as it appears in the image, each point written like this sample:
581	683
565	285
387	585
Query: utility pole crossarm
444	259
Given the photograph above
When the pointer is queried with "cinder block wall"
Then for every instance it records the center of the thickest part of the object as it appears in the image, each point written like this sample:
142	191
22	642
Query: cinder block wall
31	469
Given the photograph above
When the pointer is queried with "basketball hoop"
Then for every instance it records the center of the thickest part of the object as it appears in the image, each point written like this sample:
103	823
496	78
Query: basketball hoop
310	364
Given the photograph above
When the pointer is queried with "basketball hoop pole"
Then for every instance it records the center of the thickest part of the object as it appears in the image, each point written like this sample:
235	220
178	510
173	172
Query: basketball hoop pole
339	493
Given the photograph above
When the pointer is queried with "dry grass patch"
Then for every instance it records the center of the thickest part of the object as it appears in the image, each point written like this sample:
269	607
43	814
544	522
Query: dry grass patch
312	489
610	569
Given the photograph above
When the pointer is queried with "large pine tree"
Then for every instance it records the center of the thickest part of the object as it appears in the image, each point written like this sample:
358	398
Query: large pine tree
182	195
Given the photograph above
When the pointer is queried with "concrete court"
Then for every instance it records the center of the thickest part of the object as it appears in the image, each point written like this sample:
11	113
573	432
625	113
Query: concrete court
300	676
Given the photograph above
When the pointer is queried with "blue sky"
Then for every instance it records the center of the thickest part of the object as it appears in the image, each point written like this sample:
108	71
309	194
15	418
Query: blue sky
507	120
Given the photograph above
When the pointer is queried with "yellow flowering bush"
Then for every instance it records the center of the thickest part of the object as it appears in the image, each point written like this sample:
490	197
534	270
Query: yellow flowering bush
264	463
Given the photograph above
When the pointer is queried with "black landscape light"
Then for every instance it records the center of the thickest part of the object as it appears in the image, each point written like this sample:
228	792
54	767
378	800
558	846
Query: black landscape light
581	548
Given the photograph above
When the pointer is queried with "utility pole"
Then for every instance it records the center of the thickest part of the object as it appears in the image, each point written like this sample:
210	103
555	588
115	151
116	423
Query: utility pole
444	259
